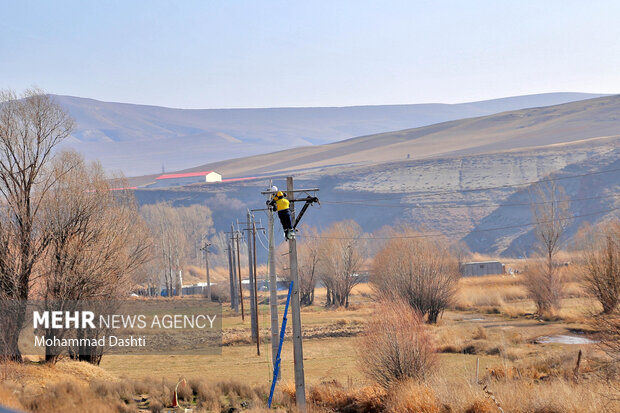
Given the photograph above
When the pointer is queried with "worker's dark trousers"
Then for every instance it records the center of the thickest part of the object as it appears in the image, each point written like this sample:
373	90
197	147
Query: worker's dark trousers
285	219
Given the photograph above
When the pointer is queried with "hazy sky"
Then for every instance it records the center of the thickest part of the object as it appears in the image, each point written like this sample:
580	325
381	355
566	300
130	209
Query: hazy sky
233	53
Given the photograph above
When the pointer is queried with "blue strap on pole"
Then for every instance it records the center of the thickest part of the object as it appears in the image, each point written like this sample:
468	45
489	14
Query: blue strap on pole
276	365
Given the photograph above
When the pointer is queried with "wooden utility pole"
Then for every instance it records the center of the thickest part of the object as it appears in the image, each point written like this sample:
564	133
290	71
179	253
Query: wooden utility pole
237	236
273	290
298	352
255	287
300	391
205	248
251	237
231	278
253	319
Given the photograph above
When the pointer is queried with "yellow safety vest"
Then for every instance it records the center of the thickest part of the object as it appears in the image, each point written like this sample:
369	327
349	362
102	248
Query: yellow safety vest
282	203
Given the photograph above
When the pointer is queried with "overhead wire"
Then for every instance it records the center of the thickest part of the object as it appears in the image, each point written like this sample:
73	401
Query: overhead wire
368	202
452	205
265	235
427	235
453	191
264	354
261	241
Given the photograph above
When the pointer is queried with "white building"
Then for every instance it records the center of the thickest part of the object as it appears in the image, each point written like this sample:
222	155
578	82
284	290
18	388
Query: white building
186	179
475	269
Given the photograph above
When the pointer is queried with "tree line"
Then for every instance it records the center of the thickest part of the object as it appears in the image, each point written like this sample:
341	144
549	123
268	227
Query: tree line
422	270
70	232
65	234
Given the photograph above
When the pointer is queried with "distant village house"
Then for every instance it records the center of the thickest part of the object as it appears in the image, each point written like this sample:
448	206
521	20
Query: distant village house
189	178
476	269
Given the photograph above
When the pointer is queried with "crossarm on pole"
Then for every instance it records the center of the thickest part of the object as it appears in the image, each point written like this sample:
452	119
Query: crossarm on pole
309	201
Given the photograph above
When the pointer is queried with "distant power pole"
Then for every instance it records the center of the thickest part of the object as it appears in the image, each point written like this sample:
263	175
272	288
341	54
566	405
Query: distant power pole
253	319
251	237
205	248
237	236
232	275
255	287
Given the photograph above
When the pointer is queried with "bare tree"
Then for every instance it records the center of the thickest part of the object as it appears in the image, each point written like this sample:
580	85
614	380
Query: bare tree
543	280
178	233
197	223
418	269
608	327
97	240
309	255
169	239
602	267
217	253
308	262
460	250
148	276
31	126
342	251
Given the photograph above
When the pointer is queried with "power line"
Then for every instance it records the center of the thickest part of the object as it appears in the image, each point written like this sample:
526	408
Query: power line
453	191
469	232
451	205
261	241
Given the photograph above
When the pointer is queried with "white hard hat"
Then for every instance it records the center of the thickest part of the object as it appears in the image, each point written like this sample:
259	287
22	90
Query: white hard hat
274	189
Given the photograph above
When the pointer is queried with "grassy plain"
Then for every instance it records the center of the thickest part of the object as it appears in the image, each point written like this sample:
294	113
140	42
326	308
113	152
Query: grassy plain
491	332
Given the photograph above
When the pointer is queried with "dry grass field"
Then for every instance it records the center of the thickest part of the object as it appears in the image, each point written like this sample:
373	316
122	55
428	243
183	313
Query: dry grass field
492	330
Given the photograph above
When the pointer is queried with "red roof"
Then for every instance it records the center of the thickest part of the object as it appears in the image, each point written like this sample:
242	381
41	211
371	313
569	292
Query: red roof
239	179
186	175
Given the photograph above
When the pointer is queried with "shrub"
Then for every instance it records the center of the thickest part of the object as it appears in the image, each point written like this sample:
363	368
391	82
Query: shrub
335	397
602	272
608	326
240	389
411	397
545	286
480	334
544	280
482	406
69	396
156	406
184	391
118	390
396	345
421	271
342	255
219	293
9	399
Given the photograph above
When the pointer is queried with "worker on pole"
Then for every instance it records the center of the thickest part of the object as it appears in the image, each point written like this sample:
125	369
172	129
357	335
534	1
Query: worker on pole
278	202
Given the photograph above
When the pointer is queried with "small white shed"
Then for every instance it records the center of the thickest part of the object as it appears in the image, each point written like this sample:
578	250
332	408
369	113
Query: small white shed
186	179
479	268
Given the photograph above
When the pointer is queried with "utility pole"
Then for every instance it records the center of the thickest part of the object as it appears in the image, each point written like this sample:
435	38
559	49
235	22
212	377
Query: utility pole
255	287
237	236
273	287
300	388
298	352
273	291
253	319
232	274
251	237
205	248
